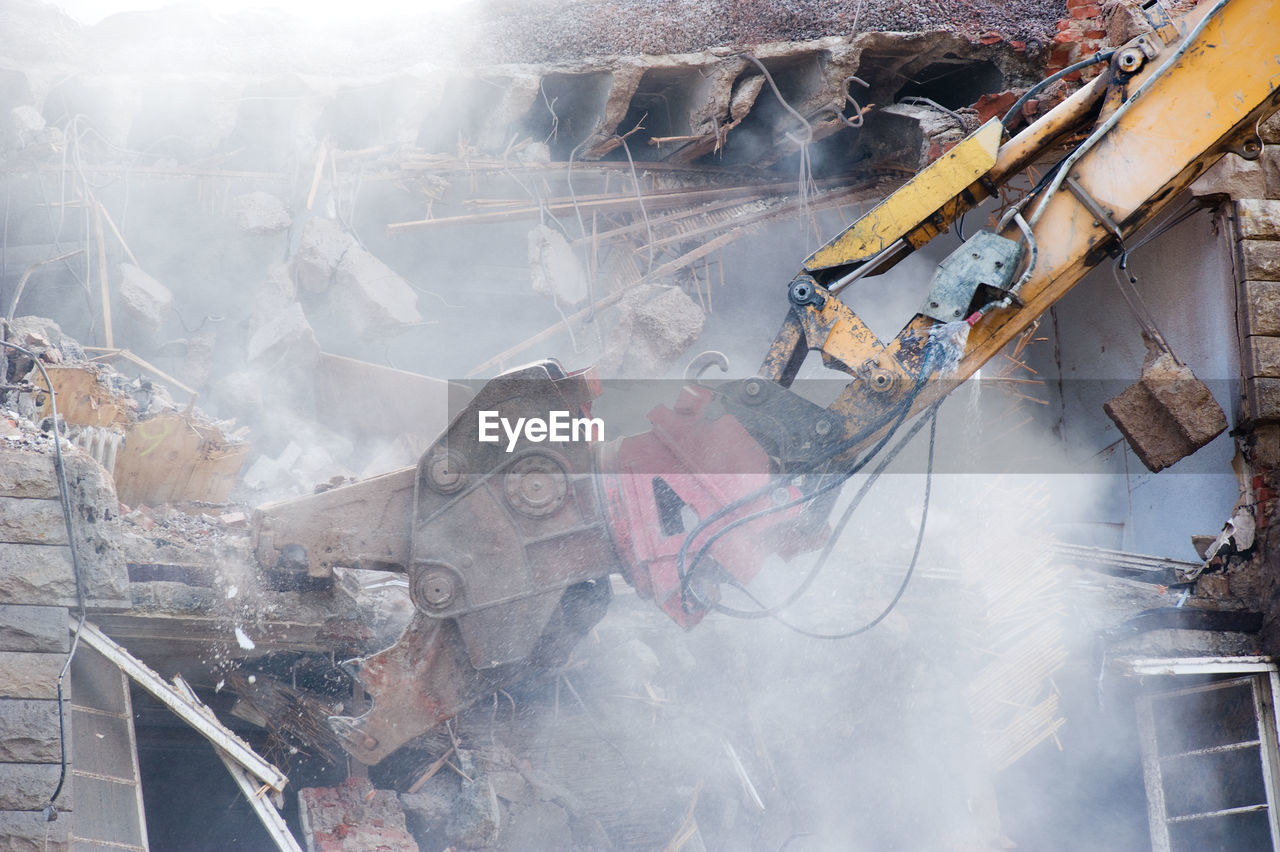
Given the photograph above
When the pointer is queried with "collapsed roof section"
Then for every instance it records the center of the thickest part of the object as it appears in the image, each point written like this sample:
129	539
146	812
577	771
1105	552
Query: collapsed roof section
745	85
490	32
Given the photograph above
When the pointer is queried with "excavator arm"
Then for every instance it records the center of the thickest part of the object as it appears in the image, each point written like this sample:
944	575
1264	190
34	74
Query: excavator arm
508	546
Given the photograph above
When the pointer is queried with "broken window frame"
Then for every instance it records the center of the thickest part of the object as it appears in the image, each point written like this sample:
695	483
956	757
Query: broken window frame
1263	676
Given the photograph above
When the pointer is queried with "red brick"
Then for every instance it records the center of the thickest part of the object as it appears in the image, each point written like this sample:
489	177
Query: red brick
991	106
1059	58
990	37
1082	12
1020	46
1095	34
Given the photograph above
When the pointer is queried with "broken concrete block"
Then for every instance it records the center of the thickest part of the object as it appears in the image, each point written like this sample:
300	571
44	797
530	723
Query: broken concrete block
1167	415
33	628
29	675
656	326
1232	176
1259	218
45	339
172	458
1261	308
375	297
322	246
1261	259
285	341
260	213
354	815
427	809
556	270
97	532
143	298
29	728
476	816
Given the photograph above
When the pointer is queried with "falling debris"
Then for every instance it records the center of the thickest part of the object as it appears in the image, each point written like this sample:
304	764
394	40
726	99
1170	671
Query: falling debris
557	272
1168	414
243	640
144	298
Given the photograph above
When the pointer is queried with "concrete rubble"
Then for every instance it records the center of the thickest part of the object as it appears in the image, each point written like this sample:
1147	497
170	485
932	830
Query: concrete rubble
144	298
260	213
323	244
377	298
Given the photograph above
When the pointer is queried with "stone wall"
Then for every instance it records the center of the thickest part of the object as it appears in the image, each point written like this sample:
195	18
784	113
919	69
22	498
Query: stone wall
1250	189
37	594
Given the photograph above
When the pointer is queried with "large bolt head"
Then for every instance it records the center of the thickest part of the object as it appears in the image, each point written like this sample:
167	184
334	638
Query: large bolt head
436	588
444	471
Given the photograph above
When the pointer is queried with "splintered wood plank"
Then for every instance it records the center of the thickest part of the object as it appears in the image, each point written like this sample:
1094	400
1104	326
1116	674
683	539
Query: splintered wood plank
170	458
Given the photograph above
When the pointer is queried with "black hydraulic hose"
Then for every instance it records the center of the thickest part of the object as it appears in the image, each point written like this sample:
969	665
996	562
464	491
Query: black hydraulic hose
1100	56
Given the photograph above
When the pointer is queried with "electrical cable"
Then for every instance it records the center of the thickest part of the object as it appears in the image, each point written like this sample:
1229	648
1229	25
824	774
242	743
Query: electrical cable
685	568
1126	281
1100	56
64	493
911	566
836	533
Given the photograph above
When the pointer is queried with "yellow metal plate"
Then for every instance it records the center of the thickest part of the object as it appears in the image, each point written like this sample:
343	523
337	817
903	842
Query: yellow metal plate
914	202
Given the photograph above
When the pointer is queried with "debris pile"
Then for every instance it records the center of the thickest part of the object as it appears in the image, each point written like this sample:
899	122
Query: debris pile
353	816
530	31
156	450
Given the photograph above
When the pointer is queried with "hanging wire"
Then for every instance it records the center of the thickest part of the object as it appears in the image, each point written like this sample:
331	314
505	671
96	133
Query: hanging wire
911	566
685	567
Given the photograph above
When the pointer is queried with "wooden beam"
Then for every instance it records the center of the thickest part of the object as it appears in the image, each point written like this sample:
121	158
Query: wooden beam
193	713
